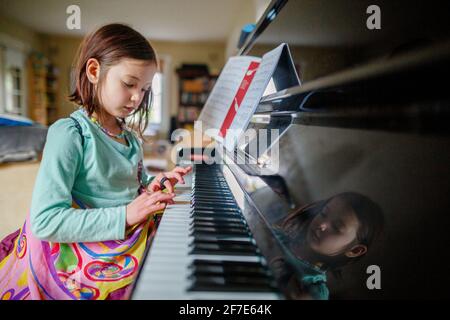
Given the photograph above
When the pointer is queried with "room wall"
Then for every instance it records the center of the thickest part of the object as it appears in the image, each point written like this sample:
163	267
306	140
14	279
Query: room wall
19	32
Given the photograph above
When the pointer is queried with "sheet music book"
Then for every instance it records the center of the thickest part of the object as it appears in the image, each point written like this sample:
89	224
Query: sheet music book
239	89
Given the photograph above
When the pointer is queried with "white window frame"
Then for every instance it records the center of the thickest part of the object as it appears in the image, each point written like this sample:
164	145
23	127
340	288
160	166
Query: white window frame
163	126
13	53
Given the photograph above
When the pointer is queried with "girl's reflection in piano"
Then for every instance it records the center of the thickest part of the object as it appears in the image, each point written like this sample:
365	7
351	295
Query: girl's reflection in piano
322	237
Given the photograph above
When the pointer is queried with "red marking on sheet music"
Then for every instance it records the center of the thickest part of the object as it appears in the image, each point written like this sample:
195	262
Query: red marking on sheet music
240	94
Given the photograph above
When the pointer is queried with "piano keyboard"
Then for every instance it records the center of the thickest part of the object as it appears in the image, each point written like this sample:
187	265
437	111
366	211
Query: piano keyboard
203	248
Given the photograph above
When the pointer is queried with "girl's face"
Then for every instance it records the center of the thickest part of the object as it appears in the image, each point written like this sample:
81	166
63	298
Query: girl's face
125	85
333	229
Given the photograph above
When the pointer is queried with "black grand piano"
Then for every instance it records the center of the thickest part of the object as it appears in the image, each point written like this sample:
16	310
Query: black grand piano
354	202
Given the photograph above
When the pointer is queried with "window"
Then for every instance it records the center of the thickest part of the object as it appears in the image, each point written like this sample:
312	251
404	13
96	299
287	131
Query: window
155	116
13	82
14	91
156	110
159	113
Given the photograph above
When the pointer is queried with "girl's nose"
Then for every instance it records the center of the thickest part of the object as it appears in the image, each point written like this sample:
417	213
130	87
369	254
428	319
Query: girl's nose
323	226
135	98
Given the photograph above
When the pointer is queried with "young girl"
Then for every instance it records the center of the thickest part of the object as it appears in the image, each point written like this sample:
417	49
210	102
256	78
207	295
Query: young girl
324	236
92	204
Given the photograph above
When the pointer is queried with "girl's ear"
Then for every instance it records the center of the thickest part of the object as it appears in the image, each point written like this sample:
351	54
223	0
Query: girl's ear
93	70
356	251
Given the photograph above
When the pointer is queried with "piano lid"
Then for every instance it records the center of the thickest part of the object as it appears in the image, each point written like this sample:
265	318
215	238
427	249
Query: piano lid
325	37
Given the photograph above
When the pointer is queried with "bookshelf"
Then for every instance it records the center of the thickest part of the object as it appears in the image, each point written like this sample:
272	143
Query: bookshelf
195	84
42	89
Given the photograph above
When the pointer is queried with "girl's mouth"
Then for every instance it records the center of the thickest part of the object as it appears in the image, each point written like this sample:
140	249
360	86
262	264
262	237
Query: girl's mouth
129	109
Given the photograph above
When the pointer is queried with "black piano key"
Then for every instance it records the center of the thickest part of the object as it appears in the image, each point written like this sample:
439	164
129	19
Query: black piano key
219	225
220	230
247	247
215	214
211	192
218	176
212	198
216	219
221	208
197	234
212	236
216	210
221	270
227	274
210	188
215	204
234	280
249	278
211	183
206	192
223	241
224	246
226	263
223	250
216	194
220	284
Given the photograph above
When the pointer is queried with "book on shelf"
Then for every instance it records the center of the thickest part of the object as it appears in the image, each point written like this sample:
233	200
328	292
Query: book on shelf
188	114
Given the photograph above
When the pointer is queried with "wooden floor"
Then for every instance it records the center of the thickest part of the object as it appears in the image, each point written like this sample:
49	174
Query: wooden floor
16	188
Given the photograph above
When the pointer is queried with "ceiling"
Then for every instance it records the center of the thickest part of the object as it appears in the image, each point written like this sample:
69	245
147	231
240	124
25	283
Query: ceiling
171	20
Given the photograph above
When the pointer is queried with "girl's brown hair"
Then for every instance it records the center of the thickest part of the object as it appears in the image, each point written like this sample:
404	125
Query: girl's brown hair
369	214
109	44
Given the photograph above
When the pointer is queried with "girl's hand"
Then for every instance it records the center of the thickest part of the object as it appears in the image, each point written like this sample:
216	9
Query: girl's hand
146	204
173	177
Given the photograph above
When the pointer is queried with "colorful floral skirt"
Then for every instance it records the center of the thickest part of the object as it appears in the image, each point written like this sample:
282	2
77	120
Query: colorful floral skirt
36	269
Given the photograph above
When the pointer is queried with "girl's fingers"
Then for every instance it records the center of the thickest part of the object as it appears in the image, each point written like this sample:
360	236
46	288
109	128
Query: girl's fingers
179	170
168	186
154	187
142	197
155	207
182	170
160	197
177	176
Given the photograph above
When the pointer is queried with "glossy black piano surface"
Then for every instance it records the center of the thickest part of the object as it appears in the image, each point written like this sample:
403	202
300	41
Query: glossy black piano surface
363	147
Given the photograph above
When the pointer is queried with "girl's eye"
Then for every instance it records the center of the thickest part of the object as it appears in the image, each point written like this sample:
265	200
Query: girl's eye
335	228
128	85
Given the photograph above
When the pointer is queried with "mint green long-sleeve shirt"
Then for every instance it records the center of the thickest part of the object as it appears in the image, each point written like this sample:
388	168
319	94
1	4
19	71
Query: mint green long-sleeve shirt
101	173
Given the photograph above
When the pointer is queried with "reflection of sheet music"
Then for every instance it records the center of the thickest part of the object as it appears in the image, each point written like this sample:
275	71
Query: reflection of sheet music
224	91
